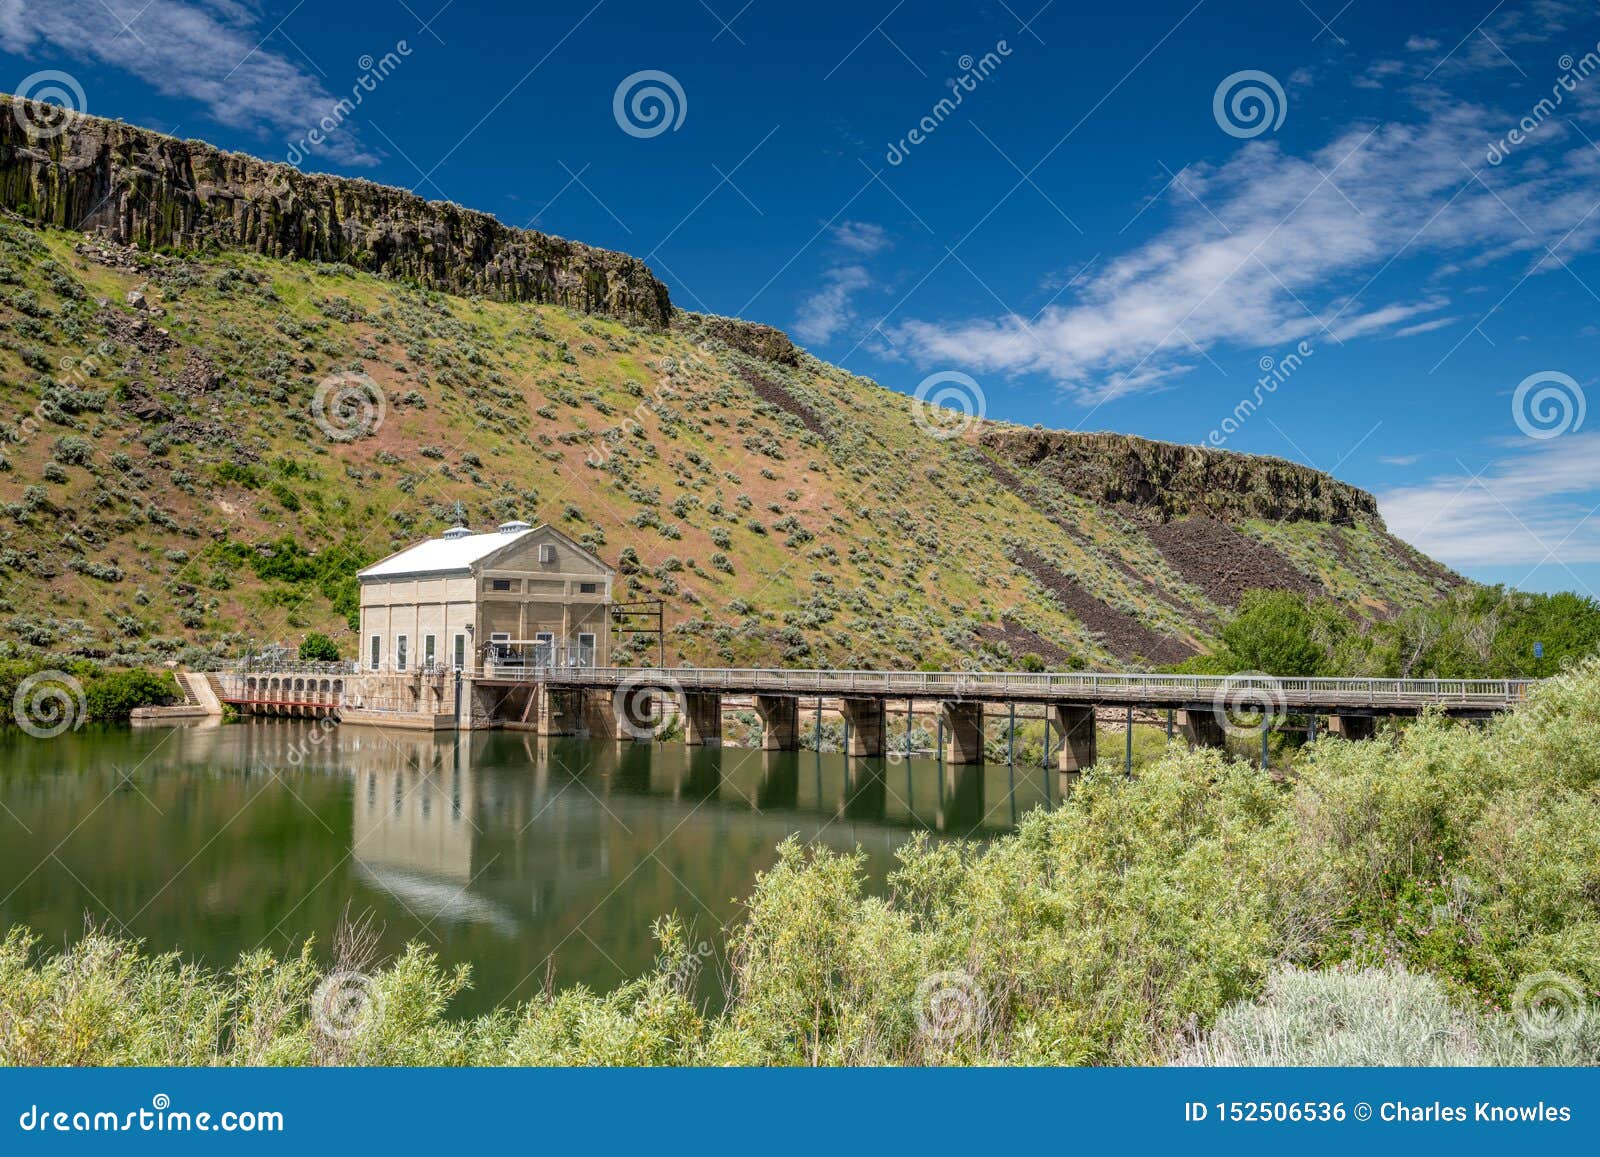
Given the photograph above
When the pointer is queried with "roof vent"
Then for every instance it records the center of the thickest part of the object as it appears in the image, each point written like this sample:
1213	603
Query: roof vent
457	532
514	527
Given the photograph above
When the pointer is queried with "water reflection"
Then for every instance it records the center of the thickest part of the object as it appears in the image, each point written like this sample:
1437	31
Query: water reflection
518	854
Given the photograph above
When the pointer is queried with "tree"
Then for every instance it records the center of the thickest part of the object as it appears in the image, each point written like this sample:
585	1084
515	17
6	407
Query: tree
1282	633
318	648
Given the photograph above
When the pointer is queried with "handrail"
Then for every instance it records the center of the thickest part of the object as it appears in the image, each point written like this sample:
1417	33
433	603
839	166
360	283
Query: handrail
1373	692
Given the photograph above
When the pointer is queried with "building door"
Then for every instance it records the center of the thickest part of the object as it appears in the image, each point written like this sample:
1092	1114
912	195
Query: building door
544	648
584	654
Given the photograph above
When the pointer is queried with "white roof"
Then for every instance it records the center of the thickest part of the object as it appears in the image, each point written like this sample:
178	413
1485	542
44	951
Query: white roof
443	555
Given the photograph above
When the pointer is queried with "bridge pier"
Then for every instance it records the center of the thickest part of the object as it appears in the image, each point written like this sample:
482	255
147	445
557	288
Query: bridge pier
1353	727
864	718
559	709
780	722
1202	728
963	730
1075	722
702	719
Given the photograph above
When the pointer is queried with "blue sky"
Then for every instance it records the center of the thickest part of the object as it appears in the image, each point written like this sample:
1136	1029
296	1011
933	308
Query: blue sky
1132	216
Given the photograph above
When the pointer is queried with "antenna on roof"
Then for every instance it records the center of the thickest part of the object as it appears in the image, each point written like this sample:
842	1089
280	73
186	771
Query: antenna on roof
514	527
457	532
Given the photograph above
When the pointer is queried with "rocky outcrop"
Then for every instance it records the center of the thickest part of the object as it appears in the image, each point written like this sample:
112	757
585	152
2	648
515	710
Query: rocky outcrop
156	192
748	337
1166	481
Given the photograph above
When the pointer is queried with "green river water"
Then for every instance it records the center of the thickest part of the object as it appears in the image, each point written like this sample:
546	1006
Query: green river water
527	858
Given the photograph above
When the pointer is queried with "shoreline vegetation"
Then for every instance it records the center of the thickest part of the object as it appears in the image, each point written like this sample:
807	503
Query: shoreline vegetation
1432	897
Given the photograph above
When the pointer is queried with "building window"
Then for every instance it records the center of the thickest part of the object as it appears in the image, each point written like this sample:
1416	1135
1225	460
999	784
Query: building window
588	588
376	653
585	654
428	654
547	552
461	651
499	584
400	642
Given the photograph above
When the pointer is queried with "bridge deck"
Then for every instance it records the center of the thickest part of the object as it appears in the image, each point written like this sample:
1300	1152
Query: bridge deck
1378	696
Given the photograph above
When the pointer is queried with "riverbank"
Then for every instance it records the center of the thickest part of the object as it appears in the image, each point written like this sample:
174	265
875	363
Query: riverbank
1114	930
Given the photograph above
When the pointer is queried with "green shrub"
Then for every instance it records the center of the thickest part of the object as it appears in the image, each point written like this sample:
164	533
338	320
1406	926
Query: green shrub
114	696
318	648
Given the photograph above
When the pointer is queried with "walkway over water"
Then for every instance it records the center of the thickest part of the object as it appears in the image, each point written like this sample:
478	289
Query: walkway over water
1322	695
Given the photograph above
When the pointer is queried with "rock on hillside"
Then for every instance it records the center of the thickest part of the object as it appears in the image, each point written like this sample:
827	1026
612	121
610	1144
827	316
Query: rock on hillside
143	189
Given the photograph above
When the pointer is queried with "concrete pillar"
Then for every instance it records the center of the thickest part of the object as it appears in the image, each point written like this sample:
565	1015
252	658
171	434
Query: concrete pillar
1076	725
702	719
865	720
963	732
558	710
1353	727
780	722
1202	728
599	714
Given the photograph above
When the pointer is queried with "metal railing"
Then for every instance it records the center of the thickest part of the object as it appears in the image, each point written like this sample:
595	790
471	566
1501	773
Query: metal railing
293	667
1027	684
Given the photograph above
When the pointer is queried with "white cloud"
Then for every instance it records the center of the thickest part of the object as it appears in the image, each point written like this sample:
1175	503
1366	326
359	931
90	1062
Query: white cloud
1422	44
863	237
828	311
1425	326
213	52
1535	508
1268	248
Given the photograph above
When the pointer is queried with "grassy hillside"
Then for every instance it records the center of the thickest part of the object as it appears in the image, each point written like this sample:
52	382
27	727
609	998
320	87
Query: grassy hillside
168	485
